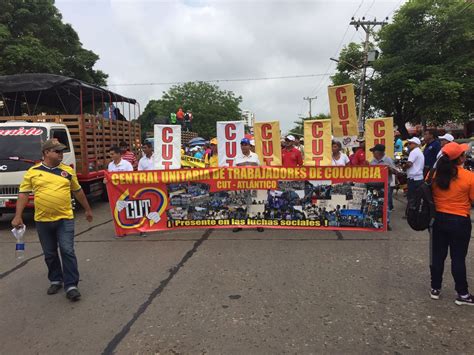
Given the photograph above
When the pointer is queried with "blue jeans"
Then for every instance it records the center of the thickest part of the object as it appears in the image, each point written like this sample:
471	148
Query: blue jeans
454	233
51	235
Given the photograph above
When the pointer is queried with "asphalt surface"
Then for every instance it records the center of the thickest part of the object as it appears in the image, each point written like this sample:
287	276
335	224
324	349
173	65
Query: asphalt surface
218	292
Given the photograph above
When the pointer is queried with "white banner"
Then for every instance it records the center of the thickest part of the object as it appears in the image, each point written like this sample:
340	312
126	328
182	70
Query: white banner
167	143
229	135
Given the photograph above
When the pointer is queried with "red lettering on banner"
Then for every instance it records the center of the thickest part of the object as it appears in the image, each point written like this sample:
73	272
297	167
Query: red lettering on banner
230	132
317	147
379	131
342	109
314	129
230	162
267	148
341	99
266	131
167	164
167	135
317	160
167	151
345	130
230	149
268	160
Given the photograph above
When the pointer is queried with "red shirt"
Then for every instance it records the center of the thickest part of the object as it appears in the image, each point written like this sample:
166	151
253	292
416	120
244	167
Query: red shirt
291	157
359	157
180	115
130	157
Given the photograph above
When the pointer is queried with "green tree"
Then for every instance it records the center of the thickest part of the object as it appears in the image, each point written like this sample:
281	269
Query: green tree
33	39
298	129
207	102
426	71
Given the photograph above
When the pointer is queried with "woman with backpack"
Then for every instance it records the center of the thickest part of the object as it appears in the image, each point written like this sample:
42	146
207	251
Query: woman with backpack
453	193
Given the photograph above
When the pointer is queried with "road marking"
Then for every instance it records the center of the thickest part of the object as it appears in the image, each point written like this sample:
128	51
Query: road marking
110	348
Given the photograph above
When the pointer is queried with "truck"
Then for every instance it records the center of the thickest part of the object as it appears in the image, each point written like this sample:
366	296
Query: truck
87	136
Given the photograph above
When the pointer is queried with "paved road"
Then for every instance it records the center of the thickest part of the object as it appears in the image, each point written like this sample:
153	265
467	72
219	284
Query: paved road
204	291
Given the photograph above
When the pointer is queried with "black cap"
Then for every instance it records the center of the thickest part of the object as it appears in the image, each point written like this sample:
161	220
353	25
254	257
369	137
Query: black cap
378	148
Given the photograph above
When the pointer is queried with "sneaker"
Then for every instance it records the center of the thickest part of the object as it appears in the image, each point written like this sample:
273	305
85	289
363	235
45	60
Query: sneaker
235	230
260	229
53	289
389	228
73	294
143	235
469	300
434	294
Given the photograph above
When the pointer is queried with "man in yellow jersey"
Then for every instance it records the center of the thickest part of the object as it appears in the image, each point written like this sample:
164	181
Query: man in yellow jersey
52	182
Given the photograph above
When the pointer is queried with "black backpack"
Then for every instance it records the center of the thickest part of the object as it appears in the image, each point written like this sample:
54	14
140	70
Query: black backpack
421	208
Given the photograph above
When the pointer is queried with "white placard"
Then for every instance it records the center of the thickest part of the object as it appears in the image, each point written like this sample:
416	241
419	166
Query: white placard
167	141
229	135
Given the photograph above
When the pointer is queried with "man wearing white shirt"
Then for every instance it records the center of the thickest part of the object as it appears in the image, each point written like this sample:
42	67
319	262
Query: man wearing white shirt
146	162
117	163
247	158
414	166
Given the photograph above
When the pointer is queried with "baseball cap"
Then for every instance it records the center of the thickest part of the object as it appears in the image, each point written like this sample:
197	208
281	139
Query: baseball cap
213	141
252	142
415	140
52	144
378	148
454	150
290	138
245	141
447	137
360	139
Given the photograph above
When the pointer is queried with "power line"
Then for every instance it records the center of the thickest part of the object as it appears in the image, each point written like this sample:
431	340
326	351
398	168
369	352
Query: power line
222	80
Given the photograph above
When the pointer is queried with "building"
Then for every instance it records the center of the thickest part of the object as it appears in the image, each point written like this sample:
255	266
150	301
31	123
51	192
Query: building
249	117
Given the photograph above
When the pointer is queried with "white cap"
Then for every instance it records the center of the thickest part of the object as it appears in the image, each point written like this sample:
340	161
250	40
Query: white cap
448	137
415	140
252	142
290	138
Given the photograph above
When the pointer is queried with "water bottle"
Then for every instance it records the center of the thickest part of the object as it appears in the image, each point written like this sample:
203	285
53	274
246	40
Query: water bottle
20	248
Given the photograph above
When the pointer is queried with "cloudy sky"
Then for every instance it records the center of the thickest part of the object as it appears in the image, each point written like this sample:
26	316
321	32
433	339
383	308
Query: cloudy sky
143	42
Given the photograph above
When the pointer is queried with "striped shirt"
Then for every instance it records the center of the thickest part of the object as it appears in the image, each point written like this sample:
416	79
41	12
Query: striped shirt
130	157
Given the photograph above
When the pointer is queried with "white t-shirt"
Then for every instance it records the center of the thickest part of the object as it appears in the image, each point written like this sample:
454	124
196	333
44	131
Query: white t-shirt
146	163
123	165
415	172
249	160
342	161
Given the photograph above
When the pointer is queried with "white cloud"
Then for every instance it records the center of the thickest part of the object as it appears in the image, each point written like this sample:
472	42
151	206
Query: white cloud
154	41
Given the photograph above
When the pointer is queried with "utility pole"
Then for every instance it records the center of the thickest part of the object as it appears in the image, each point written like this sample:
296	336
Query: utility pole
367	26
309	99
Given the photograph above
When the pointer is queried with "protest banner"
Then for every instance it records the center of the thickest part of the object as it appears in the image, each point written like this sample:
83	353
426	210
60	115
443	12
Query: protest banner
379	131
317	139
191	162
167	146
229	135
325	197
267	142
343	110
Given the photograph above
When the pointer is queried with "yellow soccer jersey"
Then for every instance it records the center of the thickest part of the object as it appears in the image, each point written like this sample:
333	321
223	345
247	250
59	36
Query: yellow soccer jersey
52	191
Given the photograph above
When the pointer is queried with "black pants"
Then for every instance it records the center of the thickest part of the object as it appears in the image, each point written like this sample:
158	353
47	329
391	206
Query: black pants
453	232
